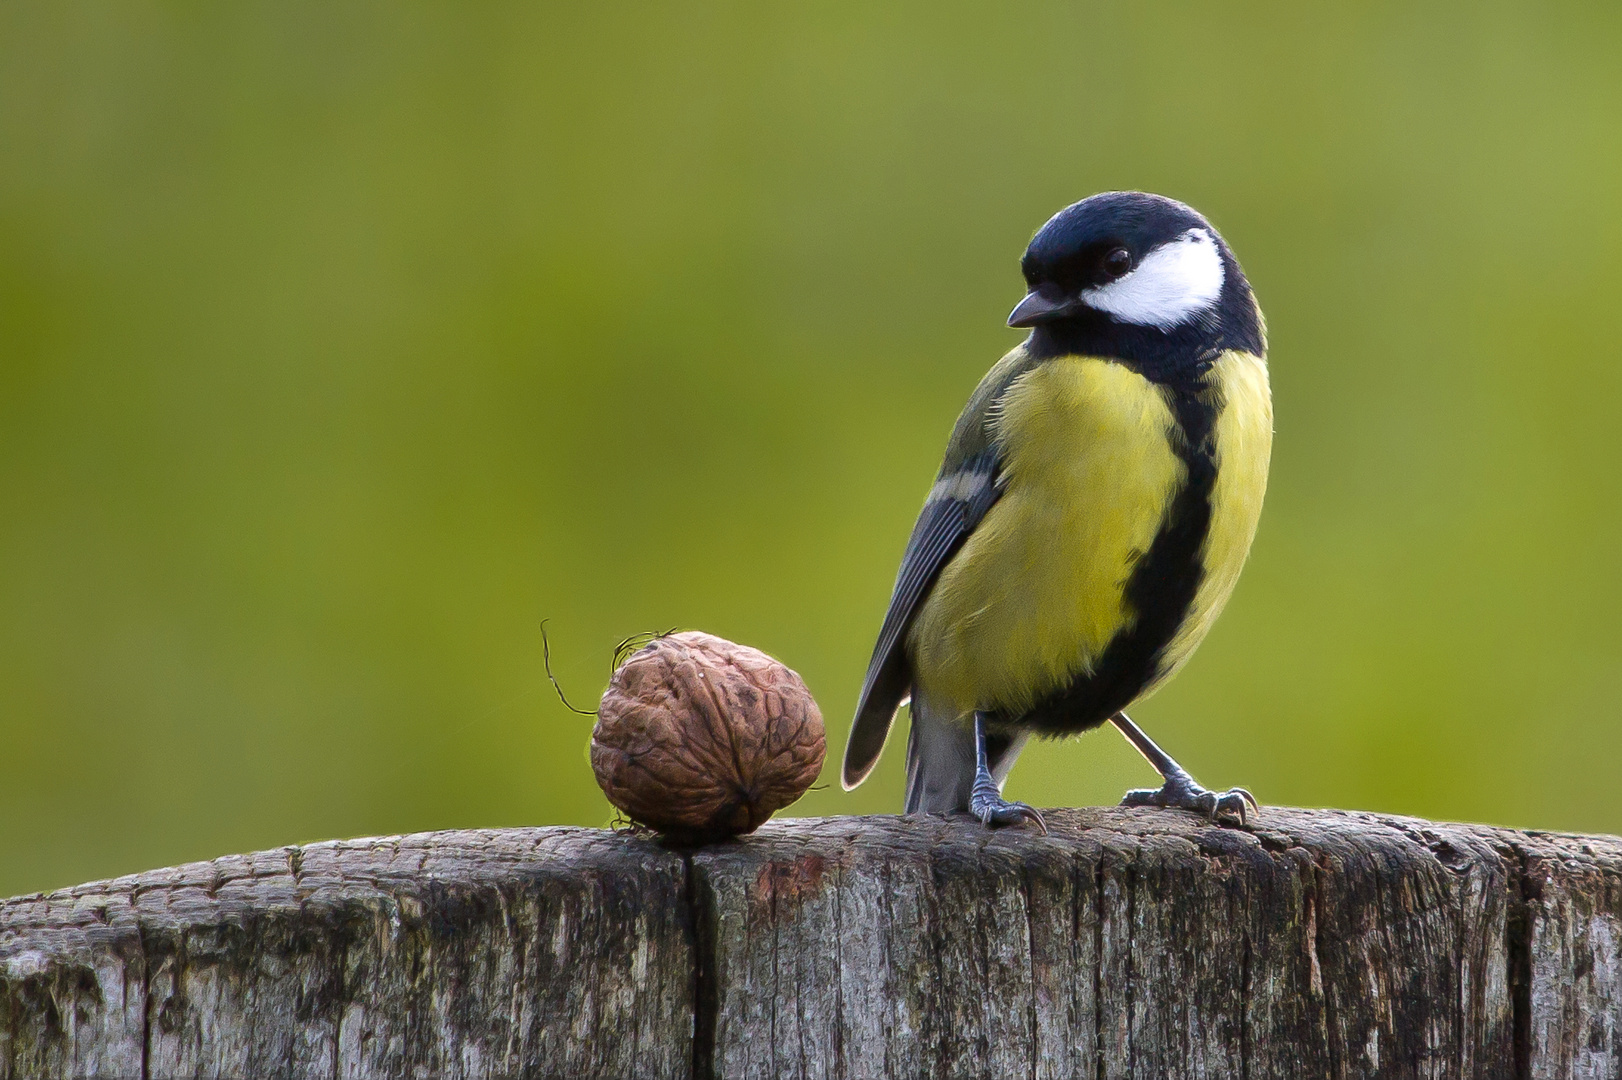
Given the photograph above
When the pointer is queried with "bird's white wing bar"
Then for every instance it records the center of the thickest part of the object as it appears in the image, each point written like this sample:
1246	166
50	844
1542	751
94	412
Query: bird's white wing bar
1169	286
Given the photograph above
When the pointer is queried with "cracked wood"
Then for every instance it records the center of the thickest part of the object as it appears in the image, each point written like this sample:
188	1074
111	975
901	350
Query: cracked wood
1129	943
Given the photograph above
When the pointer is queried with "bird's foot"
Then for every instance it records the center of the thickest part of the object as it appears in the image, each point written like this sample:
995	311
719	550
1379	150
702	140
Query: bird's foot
987	804
1180	792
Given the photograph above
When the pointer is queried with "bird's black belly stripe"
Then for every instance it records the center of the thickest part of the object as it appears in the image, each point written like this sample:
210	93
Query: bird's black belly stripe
1161	589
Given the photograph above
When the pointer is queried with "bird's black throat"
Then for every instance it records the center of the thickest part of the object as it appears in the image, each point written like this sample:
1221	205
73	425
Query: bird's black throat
1160	591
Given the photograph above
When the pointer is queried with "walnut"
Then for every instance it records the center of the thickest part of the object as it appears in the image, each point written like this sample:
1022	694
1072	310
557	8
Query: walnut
703	739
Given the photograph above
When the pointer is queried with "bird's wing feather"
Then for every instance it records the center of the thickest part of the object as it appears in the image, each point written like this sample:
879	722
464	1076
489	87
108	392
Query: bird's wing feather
955	506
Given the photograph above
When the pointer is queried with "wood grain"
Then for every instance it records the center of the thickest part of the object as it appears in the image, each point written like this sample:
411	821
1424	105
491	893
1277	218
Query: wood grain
1128	943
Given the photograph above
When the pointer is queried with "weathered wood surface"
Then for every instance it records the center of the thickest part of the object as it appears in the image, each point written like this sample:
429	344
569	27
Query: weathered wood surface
1129	943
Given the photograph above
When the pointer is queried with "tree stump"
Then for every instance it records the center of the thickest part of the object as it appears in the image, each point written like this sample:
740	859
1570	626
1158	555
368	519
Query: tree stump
1129	943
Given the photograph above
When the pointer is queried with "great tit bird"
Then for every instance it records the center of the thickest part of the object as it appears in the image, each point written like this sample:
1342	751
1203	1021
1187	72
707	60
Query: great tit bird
1097	501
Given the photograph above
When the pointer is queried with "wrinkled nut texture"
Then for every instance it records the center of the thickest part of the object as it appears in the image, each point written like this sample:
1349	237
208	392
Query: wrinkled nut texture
702	738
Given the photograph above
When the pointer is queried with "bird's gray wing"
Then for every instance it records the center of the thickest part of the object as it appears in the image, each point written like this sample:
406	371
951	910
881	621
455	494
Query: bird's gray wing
955	506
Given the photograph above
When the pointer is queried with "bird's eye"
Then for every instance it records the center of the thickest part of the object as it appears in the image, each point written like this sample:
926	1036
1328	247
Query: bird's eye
1117	262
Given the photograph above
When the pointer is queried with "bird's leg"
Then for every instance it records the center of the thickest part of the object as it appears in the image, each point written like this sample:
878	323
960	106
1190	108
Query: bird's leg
1180	790
985	800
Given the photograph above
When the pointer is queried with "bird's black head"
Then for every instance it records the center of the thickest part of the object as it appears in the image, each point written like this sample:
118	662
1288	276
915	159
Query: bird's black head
1139	277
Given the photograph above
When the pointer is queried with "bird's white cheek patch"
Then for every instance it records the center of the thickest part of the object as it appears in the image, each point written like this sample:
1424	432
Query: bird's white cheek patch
1173	283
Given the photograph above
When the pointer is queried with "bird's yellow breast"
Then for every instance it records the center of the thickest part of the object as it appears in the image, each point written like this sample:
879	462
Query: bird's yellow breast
1037	592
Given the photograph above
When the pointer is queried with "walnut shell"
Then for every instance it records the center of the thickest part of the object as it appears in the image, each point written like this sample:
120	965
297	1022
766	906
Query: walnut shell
702	738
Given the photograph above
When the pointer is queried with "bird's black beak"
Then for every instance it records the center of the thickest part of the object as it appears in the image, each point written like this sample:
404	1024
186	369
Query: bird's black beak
1040	308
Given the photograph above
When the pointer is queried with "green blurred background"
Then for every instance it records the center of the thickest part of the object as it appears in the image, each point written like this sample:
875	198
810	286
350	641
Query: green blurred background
341	345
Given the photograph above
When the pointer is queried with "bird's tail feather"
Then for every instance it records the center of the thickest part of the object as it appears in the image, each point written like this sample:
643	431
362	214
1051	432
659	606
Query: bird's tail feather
940	758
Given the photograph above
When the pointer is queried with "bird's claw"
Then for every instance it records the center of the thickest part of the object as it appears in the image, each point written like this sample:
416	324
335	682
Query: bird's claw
1003	812
992	809
1180	792
985	797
